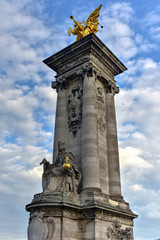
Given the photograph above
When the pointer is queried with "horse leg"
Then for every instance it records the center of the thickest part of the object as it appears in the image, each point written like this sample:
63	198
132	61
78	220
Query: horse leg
70	30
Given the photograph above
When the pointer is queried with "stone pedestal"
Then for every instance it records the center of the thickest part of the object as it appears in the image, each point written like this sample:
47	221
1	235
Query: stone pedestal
86	123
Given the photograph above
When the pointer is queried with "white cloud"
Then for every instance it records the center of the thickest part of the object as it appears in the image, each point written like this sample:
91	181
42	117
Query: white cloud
132	158
120	10
117	32
152	21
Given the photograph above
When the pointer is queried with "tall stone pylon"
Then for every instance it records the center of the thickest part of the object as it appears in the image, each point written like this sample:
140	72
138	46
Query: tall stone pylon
81	196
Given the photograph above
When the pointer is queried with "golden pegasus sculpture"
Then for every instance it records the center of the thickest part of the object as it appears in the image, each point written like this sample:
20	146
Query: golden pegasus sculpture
91	25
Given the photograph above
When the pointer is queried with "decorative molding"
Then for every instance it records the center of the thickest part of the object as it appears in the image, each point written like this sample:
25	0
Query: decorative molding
73	64
76	213
53	212
108	217
75	109
118	233
72	214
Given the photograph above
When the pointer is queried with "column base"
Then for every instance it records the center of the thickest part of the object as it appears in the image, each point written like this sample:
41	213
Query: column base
61	216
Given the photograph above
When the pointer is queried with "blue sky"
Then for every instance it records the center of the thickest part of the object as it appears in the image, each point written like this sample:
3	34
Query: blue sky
34	30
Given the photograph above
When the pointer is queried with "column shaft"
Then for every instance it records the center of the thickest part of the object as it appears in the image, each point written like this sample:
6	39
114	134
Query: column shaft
90	159
60	133
112	146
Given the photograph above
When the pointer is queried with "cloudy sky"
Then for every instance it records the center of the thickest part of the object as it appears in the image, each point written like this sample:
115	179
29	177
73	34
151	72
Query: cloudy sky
32	30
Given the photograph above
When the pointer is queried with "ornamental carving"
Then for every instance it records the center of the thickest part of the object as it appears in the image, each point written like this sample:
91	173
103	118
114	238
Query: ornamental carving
52	212
101	110
61	83
72	64
111	88
117	233
72	214
75	109
89	214
89	69
40	227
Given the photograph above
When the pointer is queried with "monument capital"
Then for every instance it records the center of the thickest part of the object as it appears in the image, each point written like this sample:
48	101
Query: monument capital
88	49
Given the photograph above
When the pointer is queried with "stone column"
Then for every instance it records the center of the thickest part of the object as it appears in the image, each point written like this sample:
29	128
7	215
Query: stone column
112	146
61	121
90	158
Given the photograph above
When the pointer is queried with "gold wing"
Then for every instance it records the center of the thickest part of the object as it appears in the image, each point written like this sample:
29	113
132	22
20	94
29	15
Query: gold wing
92	20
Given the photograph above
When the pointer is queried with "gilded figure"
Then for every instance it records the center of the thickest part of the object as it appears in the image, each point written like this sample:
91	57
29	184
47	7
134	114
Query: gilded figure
91	25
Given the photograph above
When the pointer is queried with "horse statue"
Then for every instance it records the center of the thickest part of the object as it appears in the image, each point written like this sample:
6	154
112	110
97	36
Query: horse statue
91	25
78	30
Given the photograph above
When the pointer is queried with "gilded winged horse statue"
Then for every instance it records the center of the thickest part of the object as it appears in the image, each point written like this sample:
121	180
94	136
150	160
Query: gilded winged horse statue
91	25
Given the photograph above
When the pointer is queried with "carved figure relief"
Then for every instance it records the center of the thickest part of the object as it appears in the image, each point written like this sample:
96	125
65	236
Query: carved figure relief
101	110
63	175
117	233
40	227
75	109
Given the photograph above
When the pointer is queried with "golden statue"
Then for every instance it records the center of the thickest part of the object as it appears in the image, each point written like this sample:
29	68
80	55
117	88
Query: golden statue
91	25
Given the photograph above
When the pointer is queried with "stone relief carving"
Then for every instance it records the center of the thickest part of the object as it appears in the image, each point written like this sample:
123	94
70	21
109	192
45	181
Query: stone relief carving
40	227
75	109
72	214
53	212
72	64
56	177
101	110
117	233
59	212
89	214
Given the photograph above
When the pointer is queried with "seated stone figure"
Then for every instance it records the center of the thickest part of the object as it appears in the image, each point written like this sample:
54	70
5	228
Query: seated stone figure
58	178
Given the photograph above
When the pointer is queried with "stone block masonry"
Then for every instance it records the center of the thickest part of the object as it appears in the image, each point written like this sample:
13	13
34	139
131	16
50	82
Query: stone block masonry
85	200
